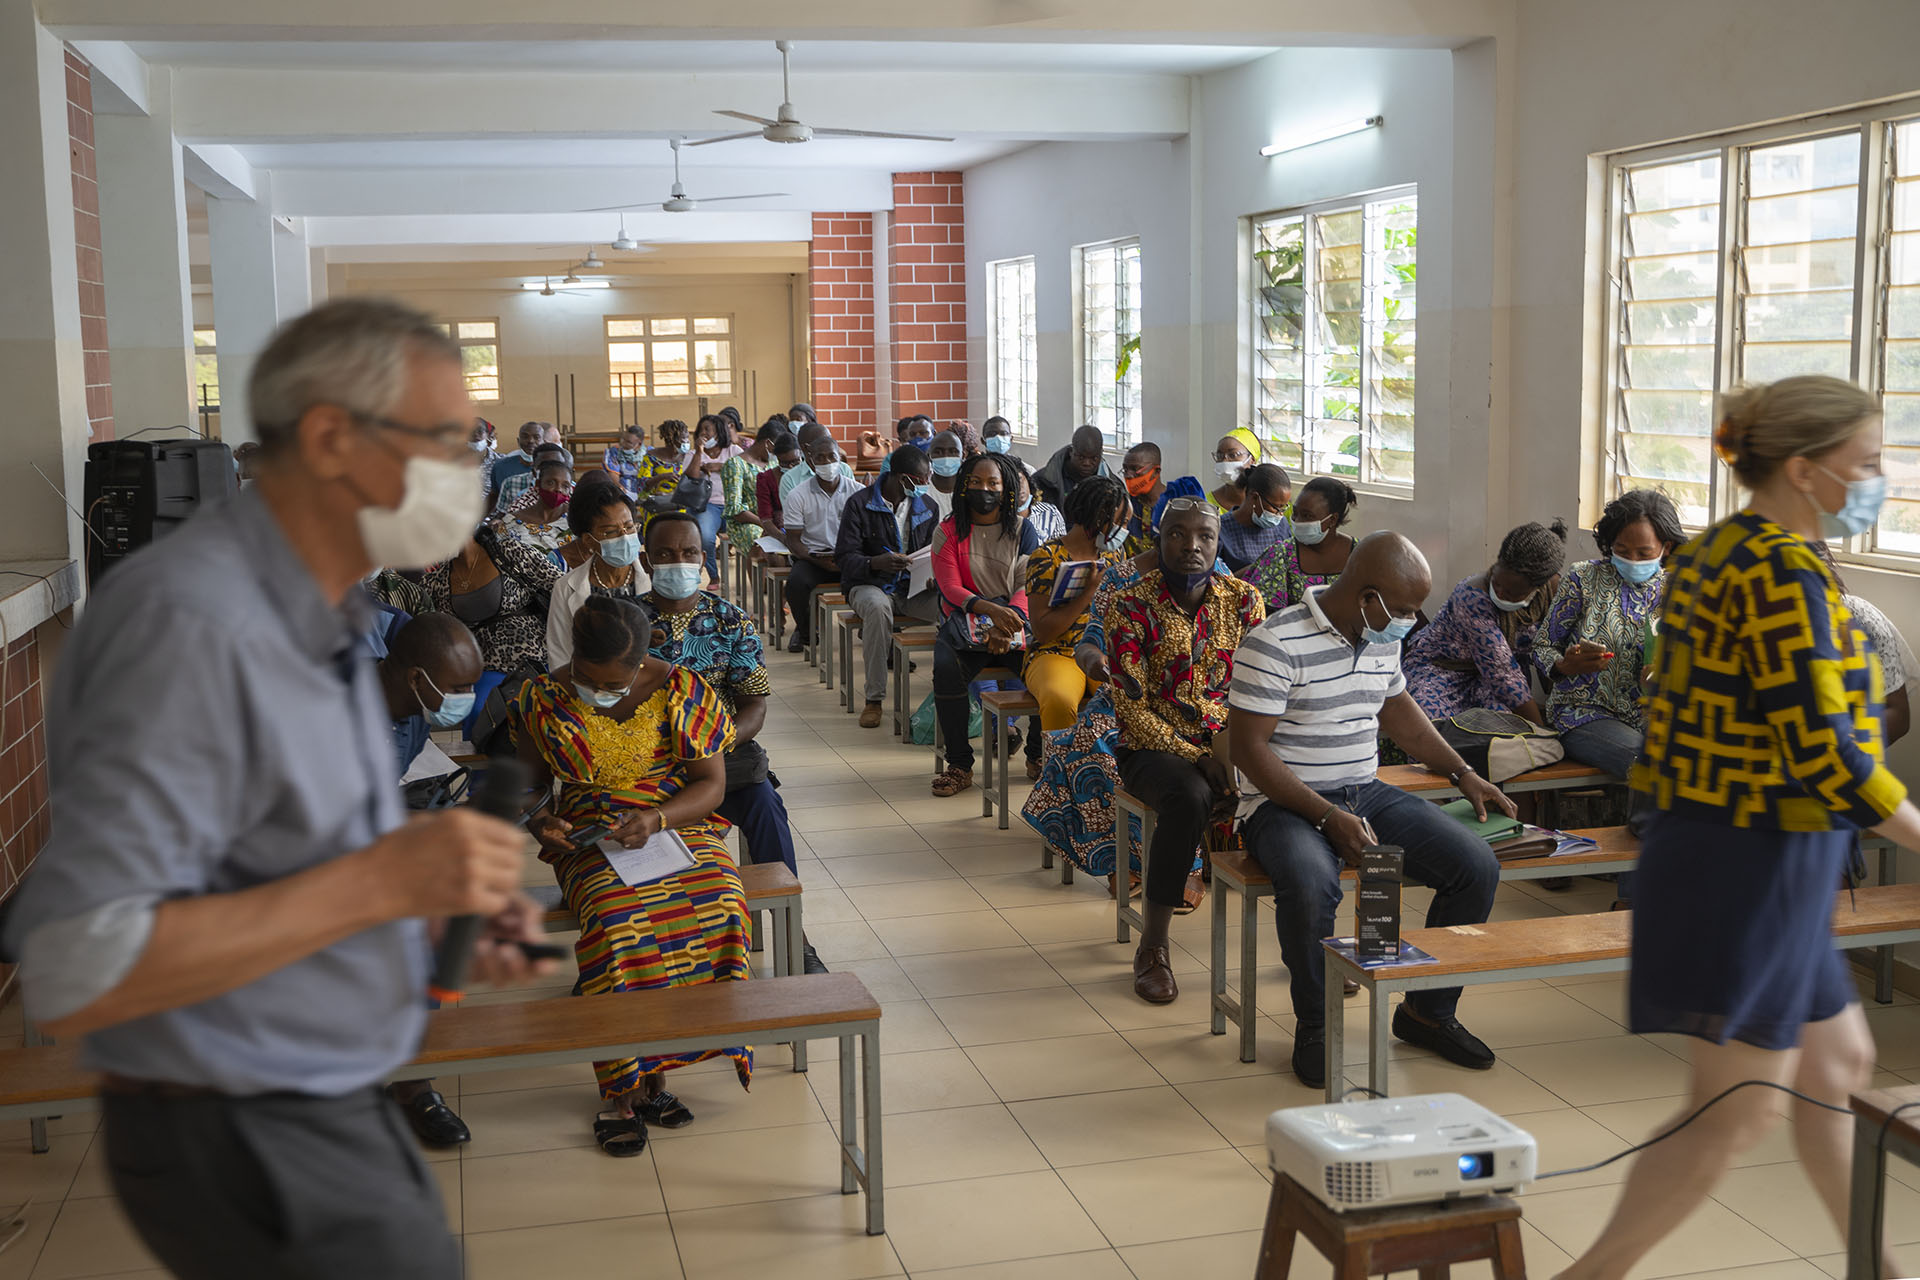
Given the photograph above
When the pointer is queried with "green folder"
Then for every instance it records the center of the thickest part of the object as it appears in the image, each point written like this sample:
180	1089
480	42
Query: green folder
1497	827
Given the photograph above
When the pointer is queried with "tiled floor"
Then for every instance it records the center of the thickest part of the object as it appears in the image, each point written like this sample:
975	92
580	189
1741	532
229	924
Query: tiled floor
1042	1123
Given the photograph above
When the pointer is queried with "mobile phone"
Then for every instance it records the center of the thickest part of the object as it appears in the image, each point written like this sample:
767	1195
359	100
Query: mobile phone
541	950
585	838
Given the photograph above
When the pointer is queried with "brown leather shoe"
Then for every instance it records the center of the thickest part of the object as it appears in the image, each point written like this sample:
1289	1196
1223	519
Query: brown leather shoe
1153	976
870	716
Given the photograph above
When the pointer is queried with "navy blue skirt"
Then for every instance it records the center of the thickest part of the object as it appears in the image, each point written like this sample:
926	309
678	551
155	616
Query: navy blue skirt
1733	932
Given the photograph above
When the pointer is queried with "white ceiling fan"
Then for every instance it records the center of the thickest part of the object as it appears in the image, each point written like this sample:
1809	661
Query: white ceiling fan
787	127
678	201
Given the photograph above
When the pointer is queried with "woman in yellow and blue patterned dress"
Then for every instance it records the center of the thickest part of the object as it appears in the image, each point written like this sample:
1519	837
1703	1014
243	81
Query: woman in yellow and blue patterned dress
1763	757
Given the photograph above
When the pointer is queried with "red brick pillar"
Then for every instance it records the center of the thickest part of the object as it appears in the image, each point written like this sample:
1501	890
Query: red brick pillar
927	283
840	330
86	234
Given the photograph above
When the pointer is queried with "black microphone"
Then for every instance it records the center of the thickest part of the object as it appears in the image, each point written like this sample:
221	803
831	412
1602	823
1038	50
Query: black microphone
500	795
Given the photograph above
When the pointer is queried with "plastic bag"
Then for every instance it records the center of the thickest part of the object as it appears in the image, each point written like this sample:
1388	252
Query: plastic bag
920	727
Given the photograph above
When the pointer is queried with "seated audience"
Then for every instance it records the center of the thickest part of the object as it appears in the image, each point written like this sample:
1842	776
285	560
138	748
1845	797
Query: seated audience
1260	520
813	512
1899	673
427	676
996	435
980	563
623	460
638	746
880	526
1170	640
1149	491
947	452
1478	650
1048	524
767	486
517	463
739	481
1593	646
806	434
1316	551
605	521
662	467
1236	451
1313	688
800	415
714	447
1081	457
916	430
540	520
1097	515
499	587
516	490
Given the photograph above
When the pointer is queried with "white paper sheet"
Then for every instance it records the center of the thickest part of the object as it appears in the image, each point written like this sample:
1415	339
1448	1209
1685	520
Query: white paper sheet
771	545
919	570
432	762
662	855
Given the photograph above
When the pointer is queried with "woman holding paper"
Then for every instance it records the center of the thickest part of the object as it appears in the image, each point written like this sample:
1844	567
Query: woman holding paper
1097	512
637	747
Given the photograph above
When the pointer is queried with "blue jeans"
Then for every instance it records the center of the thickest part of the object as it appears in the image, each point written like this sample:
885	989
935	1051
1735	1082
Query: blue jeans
1440	853
762	818
1604	744
711	518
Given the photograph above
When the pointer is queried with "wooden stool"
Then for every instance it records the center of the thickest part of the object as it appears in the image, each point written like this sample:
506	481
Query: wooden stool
1425	1238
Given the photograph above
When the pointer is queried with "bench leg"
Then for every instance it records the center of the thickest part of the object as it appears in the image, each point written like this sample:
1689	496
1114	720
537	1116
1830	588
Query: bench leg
1864	1226
37	1135
1122	864
1066	869
1378	1021
876	1181
990	725
796	949
1216	960
1249	972
1336	1033
850	1171
1006	776
1883	956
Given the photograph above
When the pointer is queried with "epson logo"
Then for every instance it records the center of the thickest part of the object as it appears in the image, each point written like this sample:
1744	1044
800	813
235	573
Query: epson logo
1426	1173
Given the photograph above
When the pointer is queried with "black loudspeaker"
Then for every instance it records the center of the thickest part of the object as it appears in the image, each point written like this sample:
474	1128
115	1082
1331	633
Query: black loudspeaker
138	490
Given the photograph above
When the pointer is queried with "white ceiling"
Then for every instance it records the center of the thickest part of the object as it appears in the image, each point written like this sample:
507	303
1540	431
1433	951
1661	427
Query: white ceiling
631	153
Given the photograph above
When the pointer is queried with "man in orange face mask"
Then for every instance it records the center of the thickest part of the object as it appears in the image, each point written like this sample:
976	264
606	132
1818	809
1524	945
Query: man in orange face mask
1148	490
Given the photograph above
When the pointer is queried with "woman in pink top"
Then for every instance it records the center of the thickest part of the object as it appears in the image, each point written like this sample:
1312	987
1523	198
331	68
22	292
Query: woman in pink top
980	564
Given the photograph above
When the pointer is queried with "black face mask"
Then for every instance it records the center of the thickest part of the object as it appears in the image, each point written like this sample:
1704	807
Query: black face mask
983	502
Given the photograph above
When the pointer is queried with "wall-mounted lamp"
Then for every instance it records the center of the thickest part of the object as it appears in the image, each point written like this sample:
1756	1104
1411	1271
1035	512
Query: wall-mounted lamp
540	286
1327	134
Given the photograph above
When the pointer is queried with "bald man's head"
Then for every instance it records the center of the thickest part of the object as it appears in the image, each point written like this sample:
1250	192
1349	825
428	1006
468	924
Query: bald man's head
1086	452
1387	578
809	433
432	656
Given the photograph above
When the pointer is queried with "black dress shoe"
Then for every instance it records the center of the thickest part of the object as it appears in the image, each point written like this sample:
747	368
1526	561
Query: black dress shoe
810	961
1446	1037
1310	1056
434	1122
796	644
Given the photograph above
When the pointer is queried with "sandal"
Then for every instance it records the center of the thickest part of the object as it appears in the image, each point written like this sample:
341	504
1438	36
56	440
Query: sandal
1196	893
622	1136
952	782
1133	885
664	1110
1033	771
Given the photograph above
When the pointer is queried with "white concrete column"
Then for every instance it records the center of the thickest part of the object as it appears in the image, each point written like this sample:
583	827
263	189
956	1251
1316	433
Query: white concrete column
143	242
245	307
41	363
292	268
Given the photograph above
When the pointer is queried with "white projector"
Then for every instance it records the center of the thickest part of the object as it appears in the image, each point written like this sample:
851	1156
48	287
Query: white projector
1386	1151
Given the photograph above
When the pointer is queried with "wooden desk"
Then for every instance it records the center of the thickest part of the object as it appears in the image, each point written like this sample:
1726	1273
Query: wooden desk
1877	1132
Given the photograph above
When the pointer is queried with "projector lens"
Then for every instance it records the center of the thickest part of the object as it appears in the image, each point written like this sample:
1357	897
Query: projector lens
1477	1164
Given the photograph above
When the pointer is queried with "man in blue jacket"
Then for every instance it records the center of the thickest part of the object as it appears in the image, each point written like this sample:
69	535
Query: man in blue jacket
883	524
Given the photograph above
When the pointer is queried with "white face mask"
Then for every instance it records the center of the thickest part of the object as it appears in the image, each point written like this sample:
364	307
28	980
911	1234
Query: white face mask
1230	470
435	517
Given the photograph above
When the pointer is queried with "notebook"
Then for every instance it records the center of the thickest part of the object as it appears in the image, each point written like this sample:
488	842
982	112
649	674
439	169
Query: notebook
663	855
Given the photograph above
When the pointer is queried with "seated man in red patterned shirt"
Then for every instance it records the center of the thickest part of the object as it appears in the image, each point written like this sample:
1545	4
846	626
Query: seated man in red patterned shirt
1170	643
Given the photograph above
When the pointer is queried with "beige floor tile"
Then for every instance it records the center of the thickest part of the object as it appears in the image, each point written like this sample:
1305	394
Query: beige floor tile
1501	1088
573	1073
1086	961
1093	1128
825	904
572	1184
1191	1052
1124	1011
1017	1015
794	777
810	1238
49	1176
1068	922
530	1120
970	973
910	1026
915	898
18	1261
1642	1118
1541	1015
1165	1197
1542	1256
90	1238
898	867
1035	888
846	940
933	934
1896	1036
846	817
1005	858
1032	1215
1798	1269
1239	1108
1606	996
1588	1072
1713	1237
747	1166
1103	1265
1832	1264
1568	1139
1231	1253
451	1179
965	1142
931	1080
821	795
882	976
1062	1066
779	1097
637	1248
847	843
1780	1200
948	824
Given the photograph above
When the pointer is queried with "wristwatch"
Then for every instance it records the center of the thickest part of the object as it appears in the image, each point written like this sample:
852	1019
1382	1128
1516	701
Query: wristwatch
1320	827
1453	779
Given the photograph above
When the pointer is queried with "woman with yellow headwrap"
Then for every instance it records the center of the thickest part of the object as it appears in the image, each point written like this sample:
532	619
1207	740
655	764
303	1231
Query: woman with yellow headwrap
1237	450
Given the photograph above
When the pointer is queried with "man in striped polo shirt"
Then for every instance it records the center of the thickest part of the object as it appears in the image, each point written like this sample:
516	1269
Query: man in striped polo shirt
1313	687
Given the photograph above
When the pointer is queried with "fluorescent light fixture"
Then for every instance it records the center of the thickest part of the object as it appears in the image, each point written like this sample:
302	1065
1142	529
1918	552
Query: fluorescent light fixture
1319	136
536	286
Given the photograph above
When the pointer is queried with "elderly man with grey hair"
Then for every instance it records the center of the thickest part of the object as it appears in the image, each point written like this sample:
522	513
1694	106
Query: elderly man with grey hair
227	915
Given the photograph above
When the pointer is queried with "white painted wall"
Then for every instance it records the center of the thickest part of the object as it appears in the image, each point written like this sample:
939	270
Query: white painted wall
565	334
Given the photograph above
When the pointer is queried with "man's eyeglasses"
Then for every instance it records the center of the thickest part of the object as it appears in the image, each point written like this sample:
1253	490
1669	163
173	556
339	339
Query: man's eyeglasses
1189	504
450	438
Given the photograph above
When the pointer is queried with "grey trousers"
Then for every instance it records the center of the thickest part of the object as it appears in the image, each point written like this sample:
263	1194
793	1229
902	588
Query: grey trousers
875	608
281	1185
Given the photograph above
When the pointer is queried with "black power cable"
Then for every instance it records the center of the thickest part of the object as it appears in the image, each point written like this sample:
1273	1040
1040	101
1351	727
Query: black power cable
1701	1110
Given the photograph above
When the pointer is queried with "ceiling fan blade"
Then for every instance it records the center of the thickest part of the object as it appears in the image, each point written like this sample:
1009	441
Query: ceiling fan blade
764	195
876	133
725	137
741	115
621	208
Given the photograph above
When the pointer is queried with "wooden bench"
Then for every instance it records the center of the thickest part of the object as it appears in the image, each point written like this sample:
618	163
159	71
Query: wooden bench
906	643
48	1080
1885	1122
846	625
1554	947
1428	785
823	601
999	708
1236	871
773	609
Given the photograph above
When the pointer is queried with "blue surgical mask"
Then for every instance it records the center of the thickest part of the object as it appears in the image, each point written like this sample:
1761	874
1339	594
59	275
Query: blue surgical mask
927	491
1182	583
1393	633
1506	606
997	444
945	467
1858	513
1115	539
1636	571
676	581
1309	534
1269	519
922	443
621	551
453	710
602	698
